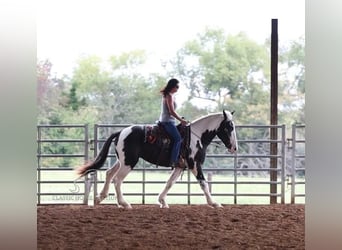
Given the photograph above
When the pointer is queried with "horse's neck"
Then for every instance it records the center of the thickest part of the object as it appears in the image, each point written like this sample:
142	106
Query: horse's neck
209	123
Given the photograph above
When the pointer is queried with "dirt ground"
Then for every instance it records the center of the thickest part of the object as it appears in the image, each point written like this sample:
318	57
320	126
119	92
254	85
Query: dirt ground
179	227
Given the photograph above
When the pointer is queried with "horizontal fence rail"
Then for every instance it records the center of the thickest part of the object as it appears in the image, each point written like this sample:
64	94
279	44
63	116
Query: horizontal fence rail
241	178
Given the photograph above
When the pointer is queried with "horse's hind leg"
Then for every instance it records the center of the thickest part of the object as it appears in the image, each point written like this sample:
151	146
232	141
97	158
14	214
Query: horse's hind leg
118	179
110	173
173	178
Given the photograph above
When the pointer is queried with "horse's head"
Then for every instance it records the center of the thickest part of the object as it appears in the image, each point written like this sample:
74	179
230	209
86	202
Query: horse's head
226	132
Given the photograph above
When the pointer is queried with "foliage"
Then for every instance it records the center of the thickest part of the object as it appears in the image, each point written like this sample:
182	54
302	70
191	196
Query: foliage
227	70
291	86
57	150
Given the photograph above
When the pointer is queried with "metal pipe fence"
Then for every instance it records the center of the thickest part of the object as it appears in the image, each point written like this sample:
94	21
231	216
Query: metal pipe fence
56	146
298	158
231	178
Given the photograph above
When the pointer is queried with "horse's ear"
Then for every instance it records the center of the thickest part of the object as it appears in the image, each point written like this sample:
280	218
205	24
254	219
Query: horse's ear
233	112
224	115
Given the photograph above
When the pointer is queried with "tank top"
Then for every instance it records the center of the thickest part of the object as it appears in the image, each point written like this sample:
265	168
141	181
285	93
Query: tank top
165	115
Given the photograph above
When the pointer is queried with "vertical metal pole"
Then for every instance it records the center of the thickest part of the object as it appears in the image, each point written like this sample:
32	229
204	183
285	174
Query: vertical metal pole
39	169
283	159
210	179
235	179
189	186
86	157
94	175
143	183
274	109
89	177
293	170
86	142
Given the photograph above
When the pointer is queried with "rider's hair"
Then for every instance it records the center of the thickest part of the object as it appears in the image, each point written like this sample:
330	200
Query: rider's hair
170	85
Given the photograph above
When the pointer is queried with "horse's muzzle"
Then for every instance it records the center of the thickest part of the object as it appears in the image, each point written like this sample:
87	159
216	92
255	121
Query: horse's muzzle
232	150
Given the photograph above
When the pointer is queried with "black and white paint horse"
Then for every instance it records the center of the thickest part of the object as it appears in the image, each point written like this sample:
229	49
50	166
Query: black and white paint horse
130	145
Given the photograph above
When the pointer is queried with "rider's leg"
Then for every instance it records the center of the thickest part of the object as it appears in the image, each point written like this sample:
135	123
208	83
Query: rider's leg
172	130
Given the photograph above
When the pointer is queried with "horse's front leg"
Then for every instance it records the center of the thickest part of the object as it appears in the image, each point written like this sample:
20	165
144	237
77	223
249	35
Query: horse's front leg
198	173
173	178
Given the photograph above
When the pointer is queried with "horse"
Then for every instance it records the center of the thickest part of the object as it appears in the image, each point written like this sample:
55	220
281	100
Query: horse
131	144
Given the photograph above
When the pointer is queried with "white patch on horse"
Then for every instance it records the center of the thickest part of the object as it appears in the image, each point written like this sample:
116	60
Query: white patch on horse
233	140
209	123
120	147
199	126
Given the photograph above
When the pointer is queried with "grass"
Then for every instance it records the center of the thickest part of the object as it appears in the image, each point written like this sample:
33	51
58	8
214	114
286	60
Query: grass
221	192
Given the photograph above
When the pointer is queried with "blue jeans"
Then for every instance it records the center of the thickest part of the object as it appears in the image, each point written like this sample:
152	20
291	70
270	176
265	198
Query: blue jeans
172	130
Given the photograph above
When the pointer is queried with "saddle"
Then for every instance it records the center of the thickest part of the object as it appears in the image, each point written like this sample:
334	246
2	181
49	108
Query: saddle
157	135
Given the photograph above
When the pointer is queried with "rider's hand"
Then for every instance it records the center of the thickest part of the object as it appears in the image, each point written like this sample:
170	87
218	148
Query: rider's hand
184	122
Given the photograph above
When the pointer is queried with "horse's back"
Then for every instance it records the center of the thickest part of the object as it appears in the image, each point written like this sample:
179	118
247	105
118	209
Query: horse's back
149	142
132	134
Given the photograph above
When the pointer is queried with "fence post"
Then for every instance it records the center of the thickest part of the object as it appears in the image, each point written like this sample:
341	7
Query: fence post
89	178
189	186
95	154
86	157
143	183
210	178
235	178
39	169
283	159
293	163
274	108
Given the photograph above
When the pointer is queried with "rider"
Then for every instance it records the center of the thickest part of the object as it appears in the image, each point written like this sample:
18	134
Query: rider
168	118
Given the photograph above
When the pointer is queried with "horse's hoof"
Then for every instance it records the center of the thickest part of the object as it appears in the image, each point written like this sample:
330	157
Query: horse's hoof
162	203
98	200
125	206
216	205
164	206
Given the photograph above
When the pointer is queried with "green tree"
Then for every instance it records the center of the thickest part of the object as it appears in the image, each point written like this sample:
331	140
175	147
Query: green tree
228	70
294	58
292	83
48	89
123	93
72	101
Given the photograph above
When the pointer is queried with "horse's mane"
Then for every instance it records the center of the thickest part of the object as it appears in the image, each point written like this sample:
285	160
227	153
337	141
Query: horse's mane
210	121
209	116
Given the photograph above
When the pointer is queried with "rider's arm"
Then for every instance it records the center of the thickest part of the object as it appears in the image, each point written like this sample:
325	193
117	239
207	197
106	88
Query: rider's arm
169	103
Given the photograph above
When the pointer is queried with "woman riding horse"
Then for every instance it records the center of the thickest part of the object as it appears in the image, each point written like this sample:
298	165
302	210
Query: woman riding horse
168	118
130	145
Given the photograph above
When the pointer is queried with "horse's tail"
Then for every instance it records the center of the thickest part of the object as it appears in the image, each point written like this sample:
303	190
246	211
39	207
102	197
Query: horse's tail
100	158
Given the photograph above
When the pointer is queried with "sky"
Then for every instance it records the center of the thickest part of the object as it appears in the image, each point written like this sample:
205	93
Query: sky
67	30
